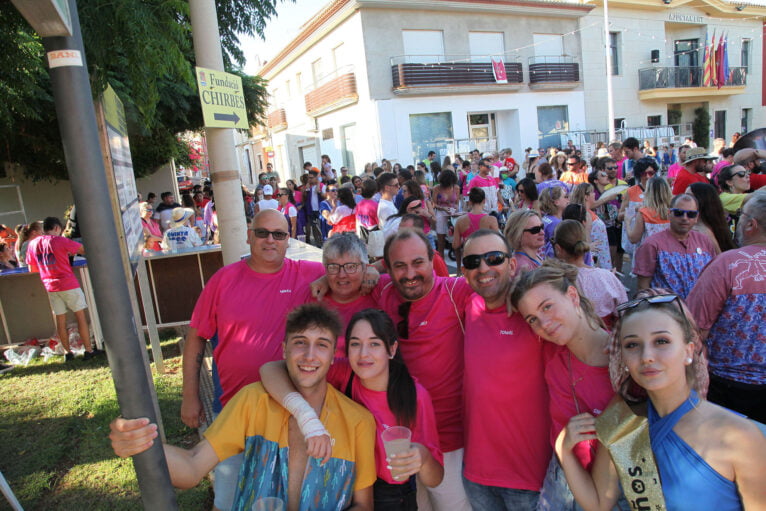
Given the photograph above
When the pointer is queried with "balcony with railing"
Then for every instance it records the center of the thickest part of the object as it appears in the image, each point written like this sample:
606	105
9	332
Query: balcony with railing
553	72
675	82
432	74
332	91
276	120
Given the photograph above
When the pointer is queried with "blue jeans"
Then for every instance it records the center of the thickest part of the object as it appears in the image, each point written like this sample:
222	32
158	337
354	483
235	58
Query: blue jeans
556	495
496	498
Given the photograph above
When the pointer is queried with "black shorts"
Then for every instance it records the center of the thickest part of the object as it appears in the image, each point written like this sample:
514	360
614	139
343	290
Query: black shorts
614	234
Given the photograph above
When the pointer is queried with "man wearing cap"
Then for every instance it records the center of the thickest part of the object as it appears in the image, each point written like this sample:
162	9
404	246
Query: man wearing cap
268	201
180	235
751	160
242	310
696	165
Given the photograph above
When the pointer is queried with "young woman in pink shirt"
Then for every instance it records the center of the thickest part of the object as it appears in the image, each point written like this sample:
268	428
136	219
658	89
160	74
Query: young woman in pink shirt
374	375
576	363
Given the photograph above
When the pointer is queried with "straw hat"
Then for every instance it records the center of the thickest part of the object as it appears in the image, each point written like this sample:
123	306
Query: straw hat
697	153
181	215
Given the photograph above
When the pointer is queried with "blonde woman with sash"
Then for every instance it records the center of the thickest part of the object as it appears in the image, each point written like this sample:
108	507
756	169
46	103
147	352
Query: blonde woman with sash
668	447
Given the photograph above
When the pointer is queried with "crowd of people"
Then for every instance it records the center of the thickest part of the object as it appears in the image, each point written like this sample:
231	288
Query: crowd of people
529	381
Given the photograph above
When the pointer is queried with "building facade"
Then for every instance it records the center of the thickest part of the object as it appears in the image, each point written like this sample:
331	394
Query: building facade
372	79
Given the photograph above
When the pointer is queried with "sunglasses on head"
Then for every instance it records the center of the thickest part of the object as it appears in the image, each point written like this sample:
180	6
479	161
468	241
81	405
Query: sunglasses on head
534	230
264	233
741	174
681	212
494	258
648	299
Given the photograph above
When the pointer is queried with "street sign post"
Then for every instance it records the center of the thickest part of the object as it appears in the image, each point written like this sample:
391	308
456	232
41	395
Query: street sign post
223	103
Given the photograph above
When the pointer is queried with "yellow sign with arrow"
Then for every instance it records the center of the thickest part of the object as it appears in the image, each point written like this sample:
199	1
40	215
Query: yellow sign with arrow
223	101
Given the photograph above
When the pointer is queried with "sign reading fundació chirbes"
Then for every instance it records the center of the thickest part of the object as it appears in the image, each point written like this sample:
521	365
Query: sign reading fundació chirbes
223	102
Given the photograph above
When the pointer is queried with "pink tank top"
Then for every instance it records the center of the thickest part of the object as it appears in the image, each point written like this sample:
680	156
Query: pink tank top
474	224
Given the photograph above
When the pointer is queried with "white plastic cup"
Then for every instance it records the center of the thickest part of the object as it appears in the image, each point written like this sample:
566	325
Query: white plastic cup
396	440
269	504
302	238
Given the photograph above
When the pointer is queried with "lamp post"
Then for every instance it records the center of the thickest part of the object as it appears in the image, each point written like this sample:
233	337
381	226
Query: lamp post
608	56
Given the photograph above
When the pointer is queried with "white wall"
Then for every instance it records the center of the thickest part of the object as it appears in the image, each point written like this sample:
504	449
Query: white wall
516	121
646	30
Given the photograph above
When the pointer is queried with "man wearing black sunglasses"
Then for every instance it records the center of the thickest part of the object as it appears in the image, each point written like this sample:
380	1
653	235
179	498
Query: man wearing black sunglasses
506	411
674	258
243	308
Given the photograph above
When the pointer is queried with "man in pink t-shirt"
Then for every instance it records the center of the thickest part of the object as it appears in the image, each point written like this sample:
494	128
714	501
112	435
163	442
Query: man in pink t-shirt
429	312
49	255
489	184
242	310
506	417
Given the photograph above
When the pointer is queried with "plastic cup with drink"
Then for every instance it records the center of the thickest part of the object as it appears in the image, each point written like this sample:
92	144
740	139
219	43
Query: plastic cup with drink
396	440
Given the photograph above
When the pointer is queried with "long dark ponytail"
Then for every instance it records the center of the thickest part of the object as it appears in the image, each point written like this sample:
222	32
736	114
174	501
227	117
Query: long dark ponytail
401	393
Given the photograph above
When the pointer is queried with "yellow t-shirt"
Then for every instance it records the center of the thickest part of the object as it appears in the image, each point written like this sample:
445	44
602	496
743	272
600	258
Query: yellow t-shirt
256	424
732	202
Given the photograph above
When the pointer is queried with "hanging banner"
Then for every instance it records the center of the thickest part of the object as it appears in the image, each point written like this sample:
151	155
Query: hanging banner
498	68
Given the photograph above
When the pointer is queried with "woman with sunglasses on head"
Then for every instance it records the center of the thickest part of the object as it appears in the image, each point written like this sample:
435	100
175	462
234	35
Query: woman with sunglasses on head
712	219
633	199
661	439
734	181
374	375
471	222
576	363
653	216
524	231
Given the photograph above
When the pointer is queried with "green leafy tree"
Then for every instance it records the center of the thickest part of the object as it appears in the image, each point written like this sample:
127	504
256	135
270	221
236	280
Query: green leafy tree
144	50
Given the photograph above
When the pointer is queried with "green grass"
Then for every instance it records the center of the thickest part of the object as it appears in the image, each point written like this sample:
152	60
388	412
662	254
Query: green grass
54	422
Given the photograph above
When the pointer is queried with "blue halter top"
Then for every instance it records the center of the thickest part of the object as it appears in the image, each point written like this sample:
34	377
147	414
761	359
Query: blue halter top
688	482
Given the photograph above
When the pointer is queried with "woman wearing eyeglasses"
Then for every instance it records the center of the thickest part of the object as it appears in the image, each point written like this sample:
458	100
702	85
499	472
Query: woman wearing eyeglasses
374	375
734	181
524	231
287	208
653	216
643	170
576	363
661	439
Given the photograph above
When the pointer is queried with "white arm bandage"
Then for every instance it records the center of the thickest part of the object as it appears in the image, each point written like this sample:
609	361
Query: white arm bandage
305	416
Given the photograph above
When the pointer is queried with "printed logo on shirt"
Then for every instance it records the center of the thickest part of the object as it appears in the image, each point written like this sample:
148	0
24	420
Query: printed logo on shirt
506	332
285	290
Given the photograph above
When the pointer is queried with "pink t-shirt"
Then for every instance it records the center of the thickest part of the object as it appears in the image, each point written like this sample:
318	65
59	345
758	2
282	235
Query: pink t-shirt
506	402
490	187
246	311
674	264
575	388
346	311
434	351
729	300
49	255
603	289
367	213
674	169
423	430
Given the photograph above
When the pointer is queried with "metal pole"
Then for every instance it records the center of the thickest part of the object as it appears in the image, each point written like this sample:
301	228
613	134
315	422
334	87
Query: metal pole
609	95
80	138
227	186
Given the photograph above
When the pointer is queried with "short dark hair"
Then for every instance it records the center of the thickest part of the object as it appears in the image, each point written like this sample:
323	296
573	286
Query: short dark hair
165	194
431	153
417	220
369	188
490	232
631	143
404	234
50	223
476	195
384	179
405	174
151	196
313	315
